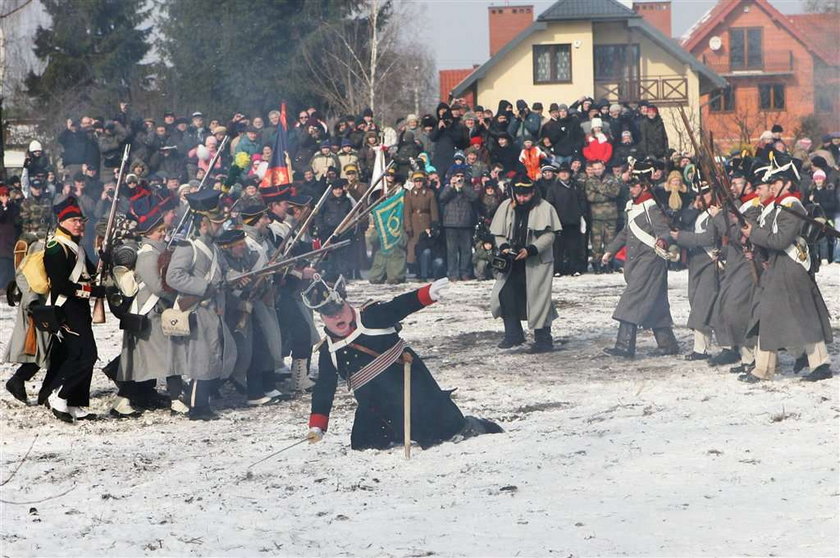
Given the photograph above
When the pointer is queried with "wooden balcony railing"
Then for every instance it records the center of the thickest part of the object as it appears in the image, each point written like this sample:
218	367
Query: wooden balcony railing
772	63
656	89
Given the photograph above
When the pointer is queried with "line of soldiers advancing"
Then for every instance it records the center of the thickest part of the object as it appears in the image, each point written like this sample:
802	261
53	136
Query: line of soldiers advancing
751	273
183	311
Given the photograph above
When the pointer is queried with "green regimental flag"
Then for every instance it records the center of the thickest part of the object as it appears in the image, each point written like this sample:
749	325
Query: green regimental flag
388	219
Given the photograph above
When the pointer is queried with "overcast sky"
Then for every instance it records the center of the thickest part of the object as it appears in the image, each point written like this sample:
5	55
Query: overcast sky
457	29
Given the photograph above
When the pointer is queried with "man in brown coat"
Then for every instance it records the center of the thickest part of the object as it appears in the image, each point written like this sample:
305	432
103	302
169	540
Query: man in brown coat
421	213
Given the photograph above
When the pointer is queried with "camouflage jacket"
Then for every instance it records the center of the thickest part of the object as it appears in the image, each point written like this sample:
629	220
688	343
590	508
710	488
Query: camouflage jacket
602	193
36	215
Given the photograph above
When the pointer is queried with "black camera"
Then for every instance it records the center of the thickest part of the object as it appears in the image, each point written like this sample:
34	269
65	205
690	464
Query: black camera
503	261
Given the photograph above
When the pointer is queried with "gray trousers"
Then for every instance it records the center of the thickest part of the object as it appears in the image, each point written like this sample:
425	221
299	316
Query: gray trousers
458	252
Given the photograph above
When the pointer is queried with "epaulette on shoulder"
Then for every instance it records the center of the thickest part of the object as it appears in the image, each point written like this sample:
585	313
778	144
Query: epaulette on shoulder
53	245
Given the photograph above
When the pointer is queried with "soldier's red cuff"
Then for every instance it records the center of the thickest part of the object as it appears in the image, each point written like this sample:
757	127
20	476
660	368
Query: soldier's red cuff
319	421
423	295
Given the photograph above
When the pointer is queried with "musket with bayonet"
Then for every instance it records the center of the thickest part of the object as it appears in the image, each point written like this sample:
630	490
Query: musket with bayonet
719	182
188	301
98	316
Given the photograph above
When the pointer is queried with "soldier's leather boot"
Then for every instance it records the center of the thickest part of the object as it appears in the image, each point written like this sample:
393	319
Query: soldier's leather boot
300	375
726	356
666	342
513	334
625	342
543	342
17	387
821	372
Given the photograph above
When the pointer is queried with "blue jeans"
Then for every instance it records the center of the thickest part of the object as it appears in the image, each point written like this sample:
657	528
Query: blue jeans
430	268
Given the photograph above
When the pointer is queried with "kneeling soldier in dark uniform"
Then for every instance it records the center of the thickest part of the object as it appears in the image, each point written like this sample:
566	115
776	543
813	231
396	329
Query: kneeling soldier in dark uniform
363	347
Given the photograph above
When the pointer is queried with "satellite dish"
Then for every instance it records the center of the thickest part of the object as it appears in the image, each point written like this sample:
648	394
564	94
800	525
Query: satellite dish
715	43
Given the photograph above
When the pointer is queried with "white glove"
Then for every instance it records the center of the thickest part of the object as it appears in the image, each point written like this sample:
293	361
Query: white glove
436	290
315	434
582	225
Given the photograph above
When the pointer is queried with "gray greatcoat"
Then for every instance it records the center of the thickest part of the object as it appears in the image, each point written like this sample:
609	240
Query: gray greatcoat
265	313
703	275
209	352
15	347
789	311
731	315
147	355
543	225
644	301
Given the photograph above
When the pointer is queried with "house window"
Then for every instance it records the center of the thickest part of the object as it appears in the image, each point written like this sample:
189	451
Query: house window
745	51
771	96
552	63
616	62
723	100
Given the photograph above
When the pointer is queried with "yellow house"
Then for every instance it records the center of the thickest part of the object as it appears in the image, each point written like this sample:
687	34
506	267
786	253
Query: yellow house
599	49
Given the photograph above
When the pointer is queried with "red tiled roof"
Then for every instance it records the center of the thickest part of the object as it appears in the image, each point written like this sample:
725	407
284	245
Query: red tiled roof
449	79
821	31
801	31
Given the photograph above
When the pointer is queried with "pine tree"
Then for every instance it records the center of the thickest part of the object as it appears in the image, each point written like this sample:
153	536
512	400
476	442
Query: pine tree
93	53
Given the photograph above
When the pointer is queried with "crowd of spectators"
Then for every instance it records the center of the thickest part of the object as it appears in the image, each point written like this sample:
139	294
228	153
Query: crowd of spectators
464	155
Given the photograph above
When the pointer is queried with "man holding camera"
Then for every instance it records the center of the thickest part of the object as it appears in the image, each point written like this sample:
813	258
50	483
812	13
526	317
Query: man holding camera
459	218
525	228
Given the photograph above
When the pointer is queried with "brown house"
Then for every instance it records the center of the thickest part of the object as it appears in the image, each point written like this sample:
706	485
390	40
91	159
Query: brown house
779	69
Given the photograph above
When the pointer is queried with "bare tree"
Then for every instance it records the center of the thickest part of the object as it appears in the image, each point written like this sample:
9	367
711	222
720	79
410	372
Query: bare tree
822	6
367	61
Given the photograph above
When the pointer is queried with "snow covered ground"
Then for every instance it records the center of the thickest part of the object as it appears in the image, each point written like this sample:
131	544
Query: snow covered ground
601	456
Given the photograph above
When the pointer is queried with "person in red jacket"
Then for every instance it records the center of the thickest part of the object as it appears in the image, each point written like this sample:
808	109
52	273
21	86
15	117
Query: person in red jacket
598	145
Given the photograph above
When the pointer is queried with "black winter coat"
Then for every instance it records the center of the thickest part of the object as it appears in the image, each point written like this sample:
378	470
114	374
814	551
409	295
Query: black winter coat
75	145
565	134
447	141
654	140
334	210
568	200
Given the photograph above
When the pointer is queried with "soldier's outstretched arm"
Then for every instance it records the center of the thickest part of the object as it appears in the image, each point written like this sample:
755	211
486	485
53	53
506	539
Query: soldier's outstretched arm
386	314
